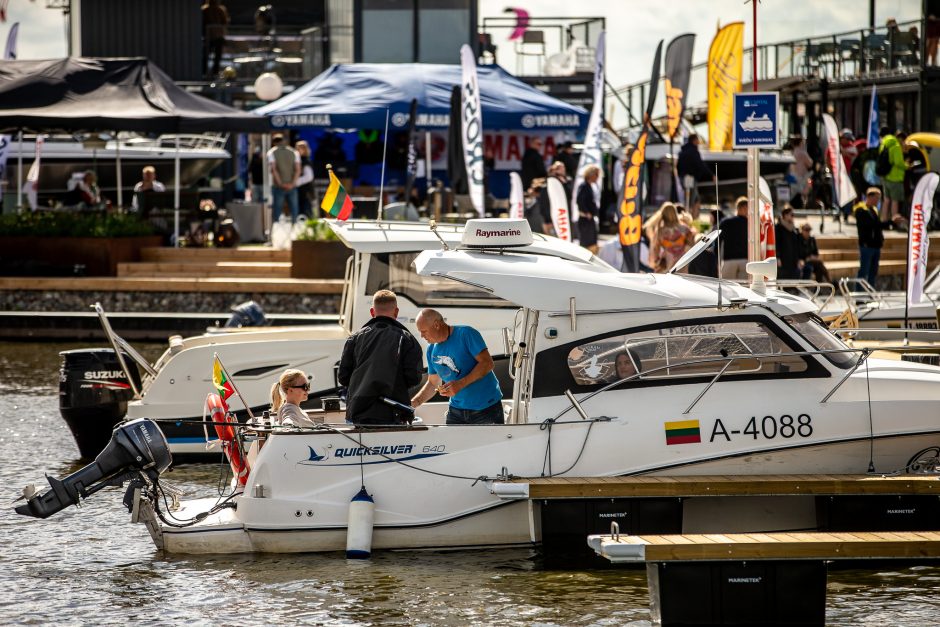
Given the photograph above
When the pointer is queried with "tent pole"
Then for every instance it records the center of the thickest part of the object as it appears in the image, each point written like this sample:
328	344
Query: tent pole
19	176
380	212
176	193
117	158
427	158
265	183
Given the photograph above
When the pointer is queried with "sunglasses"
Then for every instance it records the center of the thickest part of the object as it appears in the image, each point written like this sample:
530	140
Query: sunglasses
305	387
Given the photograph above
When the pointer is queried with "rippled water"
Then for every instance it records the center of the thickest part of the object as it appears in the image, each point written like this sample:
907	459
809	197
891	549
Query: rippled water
90	566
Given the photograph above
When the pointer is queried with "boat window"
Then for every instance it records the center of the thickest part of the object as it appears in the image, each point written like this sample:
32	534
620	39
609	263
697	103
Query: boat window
683	351
821	338
396	272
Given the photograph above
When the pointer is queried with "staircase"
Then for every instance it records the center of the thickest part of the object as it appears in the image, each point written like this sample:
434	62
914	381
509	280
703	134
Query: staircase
255	263
840	254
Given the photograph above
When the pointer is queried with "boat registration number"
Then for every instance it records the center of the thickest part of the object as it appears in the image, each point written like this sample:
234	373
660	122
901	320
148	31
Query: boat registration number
768	428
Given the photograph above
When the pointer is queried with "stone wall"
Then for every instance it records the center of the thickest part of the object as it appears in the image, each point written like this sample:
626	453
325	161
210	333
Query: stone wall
165	302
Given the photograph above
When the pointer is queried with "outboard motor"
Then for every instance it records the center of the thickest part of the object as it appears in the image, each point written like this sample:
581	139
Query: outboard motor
93	395
247	314
136	448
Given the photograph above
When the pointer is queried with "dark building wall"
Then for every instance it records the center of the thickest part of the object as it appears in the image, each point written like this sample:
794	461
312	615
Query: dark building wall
168	32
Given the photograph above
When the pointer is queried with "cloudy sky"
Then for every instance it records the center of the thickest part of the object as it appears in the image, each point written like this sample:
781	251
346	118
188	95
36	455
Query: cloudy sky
634	26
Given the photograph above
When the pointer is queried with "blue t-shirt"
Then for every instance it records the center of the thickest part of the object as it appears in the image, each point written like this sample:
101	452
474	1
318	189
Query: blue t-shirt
454	358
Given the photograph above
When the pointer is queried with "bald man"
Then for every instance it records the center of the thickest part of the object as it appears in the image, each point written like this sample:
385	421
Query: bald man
459	368
380	360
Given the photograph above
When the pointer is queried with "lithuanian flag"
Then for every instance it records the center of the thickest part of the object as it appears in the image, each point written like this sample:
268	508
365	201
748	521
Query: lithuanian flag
336	201
682	432
220	379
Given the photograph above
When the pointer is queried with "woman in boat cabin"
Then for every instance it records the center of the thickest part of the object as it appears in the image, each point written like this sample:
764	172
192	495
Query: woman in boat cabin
669	237
287	393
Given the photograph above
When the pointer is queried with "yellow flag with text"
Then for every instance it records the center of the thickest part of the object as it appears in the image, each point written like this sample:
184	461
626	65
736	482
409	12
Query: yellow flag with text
725	62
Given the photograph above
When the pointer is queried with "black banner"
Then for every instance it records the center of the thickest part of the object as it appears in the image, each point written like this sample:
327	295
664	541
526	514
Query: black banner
678	67
631	208
654	83
456	166
412	151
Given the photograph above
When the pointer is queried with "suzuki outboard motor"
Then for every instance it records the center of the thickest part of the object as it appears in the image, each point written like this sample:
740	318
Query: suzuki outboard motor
93	395
137	447
247	314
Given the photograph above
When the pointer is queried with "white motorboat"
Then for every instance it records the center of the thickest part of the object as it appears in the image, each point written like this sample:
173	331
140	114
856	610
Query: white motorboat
725	380
887	315
171	390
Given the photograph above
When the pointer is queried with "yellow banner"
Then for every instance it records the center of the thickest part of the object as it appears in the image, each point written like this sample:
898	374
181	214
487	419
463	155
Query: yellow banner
725	60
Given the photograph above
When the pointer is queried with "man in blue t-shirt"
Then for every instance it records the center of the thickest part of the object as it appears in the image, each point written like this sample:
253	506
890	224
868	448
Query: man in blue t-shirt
459	368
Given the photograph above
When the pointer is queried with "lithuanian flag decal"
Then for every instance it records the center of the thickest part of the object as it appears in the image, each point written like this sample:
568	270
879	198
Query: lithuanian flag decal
336	201
682	432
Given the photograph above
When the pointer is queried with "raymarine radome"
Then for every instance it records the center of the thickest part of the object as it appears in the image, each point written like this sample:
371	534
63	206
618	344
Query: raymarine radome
496	233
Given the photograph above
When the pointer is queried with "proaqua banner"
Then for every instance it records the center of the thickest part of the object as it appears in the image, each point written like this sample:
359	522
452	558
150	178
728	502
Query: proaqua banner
591	154
631	215
678	68
921	208
725	61
841	183
472	127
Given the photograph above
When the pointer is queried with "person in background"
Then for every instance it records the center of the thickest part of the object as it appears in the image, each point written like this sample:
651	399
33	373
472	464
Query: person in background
215	21
566	156
382	360
932	32
734	243
288	392
893	181
88	190
533	165
848	148
808	251
626	365
459	368
587	208
256	176
669	238
285	170
870	235
692	170
146	185
802	167
535	210
788	259
305	180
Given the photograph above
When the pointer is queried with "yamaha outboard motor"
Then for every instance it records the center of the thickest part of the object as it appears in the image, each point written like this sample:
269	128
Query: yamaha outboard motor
93	395
247	314
136	448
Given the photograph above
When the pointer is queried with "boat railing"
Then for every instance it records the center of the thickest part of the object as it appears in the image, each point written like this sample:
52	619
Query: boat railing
818	292
857	291
187	141
121	346
727	360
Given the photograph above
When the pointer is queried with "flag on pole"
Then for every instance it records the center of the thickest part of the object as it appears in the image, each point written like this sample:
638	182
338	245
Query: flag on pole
874	139
225	385
31	186
921	208
516	198
336	201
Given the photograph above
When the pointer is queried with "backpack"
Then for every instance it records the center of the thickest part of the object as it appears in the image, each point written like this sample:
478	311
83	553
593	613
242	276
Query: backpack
883	165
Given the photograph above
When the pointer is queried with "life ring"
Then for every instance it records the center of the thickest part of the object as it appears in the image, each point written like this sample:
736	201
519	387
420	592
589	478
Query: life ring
225	429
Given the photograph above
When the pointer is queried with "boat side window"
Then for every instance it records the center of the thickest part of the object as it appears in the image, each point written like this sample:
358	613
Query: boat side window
396	272
821	338
683	351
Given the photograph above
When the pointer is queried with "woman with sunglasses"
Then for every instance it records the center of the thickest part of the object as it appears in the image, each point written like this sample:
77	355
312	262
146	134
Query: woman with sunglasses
287	393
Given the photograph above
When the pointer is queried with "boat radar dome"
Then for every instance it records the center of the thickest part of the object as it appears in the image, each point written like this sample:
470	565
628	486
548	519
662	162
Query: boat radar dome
496	233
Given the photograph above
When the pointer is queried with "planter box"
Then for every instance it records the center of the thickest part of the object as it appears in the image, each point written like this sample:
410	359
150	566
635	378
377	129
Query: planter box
99	255
318	260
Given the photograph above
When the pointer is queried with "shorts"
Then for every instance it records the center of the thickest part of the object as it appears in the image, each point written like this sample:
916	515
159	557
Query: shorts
492	415
894	190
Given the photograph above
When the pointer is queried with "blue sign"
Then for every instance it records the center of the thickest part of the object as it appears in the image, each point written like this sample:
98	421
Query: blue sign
755	120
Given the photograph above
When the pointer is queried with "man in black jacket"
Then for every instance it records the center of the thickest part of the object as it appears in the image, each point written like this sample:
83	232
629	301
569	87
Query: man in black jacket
381	360
870	235
533	164
788	256
692	170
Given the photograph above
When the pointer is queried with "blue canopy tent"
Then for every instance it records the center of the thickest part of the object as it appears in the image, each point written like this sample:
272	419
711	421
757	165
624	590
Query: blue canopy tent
357	96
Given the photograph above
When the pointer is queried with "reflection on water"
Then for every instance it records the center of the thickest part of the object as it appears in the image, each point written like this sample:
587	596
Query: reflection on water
90	565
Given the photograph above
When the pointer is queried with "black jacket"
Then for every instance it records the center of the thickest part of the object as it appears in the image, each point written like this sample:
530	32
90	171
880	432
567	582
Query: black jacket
380	359
533	167
870	233
787	252
690	163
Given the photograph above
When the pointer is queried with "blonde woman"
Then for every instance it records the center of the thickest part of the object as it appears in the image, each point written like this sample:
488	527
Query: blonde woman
287	393
669	237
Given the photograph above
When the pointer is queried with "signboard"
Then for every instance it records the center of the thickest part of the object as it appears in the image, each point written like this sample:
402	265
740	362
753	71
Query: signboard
756	115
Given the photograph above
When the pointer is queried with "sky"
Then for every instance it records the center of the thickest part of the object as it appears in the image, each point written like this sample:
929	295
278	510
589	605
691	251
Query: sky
634	26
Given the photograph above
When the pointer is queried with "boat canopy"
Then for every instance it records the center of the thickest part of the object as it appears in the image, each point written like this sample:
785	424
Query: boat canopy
547	283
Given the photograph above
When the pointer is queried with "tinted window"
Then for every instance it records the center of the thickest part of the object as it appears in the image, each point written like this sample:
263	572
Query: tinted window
822	338
396	272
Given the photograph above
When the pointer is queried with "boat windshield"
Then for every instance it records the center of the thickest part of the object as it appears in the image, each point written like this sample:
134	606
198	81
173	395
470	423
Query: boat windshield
396	272
821	338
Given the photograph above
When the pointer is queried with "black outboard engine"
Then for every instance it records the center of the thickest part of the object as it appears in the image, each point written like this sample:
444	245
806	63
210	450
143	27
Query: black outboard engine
247	314
136	448
93	395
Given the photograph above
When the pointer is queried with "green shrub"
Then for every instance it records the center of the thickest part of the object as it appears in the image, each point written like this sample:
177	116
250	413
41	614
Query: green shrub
317	230
73	224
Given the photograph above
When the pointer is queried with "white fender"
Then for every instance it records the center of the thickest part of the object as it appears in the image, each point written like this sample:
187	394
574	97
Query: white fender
359	526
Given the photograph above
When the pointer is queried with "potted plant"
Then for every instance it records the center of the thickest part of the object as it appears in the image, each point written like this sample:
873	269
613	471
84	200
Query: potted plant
97	241
317	253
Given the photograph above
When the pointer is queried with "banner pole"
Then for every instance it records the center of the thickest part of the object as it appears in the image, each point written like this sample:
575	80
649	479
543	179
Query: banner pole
380	213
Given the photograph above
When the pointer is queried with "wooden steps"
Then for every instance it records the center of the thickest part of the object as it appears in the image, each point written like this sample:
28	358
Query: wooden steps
185	255
268	269
259	285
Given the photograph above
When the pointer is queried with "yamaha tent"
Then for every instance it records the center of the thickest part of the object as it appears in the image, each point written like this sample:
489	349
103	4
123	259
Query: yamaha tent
358	95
